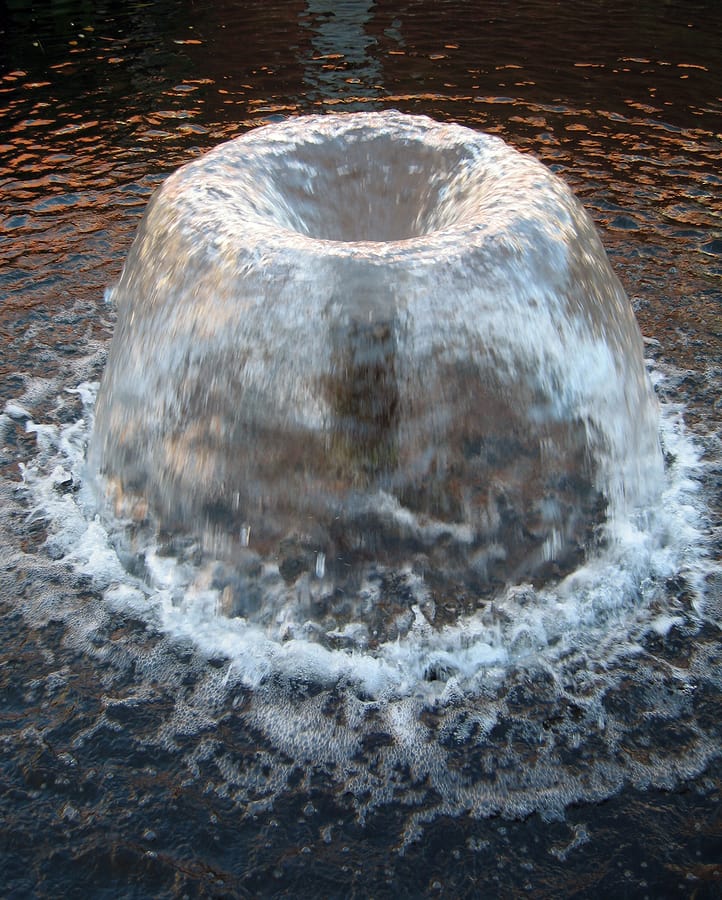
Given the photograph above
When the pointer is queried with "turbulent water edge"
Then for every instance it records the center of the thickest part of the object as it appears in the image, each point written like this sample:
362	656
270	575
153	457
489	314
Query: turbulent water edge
542	699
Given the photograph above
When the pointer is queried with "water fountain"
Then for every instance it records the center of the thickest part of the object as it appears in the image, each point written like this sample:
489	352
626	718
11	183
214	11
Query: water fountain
376	397
558	731
374	346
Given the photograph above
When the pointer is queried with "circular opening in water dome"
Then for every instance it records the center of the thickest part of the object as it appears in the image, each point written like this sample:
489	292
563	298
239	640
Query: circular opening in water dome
346	180
372	189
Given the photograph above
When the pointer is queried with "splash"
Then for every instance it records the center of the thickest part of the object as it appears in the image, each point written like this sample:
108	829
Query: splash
543	698
380	370
341	610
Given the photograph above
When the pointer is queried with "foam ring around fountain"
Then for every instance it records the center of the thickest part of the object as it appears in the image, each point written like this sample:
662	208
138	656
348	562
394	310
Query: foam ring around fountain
375	343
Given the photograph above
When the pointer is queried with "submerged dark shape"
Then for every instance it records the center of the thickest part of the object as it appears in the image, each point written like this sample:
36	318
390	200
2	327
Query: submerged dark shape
363	341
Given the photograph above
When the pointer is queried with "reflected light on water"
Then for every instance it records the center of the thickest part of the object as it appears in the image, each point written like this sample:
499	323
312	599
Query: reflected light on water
134	763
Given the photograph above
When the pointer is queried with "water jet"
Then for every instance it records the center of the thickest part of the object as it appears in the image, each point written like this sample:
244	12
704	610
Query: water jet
350	346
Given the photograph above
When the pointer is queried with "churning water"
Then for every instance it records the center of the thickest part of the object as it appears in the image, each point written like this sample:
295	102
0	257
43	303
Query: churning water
216	398
343	677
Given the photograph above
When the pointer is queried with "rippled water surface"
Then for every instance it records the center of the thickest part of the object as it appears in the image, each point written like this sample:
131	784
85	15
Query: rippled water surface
135	763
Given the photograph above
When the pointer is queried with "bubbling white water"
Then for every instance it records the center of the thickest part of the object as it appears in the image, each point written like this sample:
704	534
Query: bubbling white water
592	612
528	704
530	696
380	357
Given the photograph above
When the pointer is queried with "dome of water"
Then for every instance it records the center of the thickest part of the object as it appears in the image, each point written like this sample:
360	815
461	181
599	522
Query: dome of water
374	346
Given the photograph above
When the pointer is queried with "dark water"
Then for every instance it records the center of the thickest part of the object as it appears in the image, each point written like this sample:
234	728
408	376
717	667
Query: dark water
126	769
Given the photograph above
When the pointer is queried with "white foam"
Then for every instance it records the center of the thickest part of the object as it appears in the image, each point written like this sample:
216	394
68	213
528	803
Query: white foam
600	609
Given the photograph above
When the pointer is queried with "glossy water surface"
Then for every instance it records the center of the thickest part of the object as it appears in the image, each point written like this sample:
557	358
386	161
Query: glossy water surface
127	767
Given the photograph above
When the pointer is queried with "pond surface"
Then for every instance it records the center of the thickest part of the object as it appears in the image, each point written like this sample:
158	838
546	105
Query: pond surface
135	763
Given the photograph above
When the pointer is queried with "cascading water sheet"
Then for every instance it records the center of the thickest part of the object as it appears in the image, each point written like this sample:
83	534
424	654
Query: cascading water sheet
352	346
